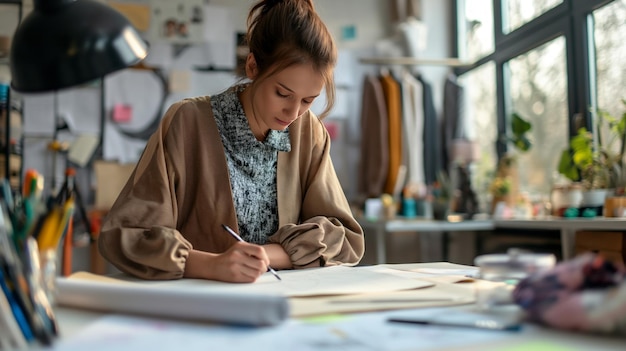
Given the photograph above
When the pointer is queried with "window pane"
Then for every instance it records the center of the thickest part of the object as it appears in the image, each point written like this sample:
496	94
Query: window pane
480	87
538	85
520	12
476	29
610	49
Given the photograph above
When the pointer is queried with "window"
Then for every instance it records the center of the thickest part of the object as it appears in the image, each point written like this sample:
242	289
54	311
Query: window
477	29
609	29
553	62
520	12
538	86
481	101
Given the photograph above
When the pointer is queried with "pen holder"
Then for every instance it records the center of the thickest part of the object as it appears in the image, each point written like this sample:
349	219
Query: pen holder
49	268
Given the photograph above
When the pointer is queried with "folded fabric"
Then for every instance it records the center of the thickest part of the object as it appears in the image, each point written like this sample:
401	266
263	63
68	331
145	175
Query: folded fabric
587	293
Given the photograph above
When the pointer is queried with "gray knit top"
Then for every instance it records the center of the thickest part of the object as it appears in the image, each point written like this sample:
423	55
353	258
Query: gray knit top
251	166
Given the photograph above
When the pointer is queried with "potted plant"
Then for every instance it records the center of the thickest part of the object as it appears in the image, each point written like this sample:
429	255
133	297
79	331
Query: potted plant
504	186
595	163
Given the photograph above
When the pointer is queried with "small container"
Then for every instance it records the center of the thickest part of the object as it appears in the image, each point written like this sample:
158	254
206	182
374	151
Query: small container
500	273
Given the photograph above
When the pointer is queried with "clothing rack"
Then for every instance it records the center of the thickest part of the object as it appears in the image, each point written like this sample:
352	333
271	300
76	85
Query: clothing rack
450	62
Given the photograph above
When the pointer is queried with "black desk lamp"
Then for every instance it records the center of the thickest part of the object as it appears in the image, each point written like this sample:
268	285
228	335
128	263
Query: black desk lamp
63	43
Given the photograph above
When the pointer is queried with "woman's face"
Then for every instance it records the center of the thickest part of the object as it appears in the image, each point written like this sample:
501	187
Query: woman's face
283	97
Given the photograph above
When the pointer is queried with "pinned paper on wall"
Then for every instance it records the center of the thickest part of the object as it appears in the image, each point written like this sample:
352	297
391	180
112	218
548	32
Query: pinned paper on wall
39	114
218	25
122	113
176	21
137	14
333	129
180	81
82	149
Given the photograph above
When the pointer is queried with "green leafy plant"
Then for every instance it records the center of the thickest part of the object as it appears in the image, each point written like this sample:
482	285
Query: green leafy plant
501	186
597	165
502	183
519	128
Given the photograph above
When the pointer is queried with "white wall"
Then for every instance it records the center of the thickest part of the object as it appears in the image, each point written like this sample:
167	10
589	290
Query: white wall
371	20
372	23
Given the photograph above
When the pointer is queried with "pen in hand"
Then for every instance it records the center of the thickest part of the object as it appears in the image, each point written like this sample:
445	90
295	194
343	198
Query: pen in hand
236	236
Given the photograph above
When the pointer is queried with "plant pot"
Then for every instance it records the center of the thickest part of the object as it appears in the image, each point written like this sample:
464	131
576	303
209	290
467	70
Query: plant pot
615	206
594	197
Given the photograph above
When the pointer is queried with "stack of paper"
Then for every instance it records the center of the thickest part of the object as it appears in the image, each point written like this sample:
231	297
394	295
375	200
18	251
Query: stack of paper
267	301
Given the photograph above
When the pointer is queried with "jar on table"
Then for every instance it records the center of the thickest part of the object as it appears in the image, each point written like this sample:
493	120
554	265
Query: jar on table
500	273
566	196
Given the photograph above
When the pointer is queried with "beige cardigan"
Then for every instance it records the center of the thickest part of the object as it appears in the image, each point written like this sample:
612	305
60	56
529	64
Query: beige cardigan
179	195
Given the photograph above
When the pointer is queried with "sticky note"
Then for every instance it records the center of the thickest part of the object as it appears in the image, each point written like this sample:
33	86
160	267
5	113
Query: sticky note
333	129
122	113
348	32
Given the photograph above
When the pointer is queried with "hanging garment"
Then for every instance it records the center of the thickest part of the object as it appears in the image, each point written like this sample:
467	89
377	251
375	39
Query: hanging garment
453	121
391	89
413	127
432	148
374	139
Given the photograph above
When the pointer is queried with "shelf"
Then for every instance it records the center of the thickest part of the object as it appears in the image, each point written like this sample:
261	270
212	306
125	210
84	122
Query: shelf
450	62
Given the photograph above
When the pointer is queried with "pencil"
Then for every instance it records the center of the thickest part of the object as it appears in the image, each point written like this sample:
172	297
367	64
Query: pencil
236	236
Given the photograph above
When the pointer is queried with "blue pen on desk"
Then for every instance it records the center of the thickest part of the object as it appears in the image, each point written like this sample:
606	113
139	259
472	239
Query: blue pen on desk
482	323
236	236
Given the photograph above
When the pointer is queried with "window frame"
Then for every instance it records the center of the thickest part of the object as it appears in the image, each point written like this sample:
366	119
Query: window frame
569	19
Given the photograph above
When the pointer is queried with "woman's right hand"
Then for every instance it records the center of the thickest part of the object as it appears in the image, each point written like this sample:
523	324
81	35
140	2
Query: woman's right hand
241	263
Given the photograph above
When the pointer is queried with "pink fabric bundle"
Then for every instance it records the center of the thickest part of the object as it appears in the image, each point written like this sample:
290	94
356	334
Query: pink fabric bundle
587	293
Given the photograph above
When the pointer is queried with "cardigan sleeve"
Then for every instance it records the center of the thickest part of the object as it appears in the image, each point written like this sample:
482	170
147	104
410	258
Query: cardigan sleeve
327	233
138	235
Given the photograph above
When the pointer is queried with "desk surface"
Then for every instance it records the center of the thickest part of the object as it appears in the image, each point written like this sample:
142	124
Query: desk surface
556	223
374	331
559	223
566	226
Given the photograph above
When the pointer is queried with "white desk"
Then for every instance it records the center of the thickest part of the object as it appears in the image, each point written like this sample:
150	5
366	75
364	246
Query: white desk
73	323
382	228
566	226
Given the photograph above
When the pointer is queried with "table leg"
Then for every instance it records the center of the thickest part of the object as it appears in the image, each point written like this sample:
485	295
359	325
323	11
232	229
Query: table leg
445	242
381	249
568	239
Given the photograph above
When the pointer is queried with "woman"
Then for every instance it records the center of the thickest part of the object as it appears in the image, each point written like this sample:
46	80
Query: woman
253	158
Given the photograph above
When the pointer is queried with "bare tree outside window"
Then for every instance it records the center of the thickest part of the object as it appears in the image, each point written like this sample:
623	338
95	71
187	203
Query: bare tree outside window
520	12
538	86
609	31
480	87
476	28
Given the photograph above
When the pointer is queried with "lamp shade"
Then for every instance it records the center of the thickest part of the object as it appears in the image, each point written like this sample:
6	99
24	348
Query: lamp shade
63	43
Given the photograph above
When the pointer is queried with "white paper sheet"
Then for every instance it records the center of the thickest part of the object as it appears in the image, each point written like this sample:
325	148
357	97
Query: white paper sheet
357	332
337	280
38	114
218	23
81	108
